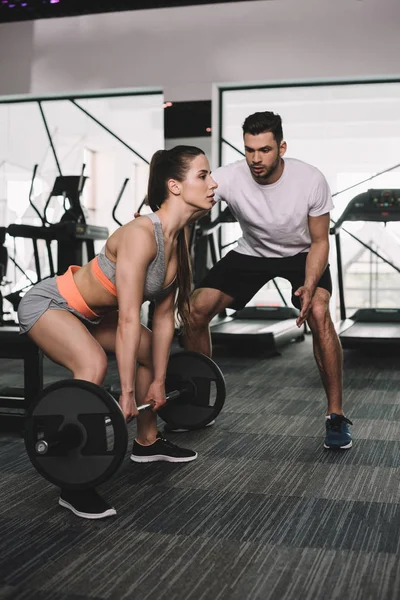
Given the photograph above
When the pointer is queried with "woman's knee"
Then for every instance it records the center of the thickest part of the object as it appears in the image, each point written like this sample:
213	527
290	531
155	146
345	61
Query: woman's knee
93	368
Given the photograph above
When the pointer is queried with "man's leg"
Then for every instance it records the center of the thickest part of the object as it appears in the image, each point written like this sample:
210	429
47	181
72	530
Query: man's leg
205	304
329	357
231	282
241	276
327	350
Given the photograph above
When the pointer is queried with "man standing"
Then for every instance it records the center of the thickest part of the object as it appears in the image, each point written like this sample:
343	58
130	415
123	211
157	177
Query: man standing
282	206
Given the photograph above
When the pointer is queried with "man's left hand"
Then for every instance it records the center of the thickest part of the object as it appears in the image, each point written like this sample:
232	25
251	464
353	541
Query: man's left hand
305	295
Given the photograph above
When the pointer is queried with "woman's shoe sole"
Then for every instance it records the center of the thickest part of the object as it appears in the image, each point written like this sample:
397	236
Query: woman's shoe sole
108	513
162	457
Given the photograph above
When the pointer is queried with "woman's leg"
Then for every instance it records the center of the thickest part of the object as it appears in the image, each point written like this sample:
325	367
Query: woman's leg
105	334
66	341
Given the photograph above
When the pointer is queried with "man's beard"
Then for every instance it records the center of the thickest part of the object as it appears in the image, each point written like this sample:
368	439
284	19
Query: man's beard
269	172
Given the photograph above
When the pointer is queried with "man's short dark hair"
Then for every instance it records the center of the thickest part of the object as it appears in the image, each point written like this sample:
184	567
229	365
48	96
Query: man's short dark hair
262	122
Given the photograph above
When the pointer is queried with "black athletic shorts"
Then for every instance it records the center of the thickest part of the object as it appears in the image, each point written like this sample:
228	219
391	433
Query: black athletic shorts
241	276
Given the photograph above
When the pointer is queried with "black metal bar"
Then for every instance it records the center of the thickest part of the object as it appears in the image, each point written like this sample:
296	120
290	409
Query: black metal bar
297	84
230	244
109	131
50	138
143	202
213	249
91	96
90	250
37	262
118	200
220	134
232	146
279	292
220	128
81	180
20	268
30	196
340	277
50	256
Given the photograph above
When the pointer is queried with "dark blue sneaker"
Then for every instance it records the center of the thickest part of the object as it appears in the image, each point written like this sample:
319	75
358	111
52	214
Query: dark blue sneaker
337	432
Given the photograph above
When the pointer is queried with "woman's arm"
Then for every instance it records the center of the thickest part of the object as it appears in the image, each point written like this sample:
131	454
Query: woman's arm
163	333
135	251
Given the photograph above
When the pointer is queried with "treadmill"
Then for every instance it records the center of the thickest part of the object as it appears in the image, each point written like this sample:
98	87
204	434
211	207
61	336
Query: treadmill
252	329
368	327
258	329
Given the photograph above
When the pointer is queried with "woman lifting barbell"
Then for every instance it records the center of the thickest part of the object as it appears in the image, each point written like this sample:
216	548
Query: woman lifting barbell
77	317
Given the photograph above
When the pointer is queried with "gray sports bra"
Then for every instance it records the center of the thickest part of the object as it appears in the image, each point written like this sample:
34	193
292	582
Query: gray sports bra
154	284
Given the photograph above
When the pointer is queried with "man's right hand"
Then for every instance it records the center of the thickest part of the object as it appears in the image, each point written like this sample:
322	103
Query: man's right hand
128	406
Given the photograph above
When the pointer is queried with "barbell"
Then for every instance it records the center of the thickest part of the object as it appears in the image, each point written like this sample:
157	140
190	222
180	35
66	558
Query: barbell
75	432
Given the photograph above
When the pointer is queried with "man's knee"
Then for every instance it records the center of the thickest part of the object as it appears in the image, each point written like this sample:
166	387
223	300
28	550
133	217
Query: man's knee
200	310
320	316
205	303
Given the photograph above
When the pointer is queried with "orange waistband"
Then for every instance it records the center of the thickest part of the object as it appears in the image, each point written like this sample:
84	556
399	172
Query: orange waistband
105	282
69	291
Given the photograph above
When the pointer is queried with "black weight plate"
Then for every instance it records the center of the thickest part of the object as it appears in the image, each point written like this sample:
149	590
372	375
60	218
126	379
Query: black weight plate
205	395
83	407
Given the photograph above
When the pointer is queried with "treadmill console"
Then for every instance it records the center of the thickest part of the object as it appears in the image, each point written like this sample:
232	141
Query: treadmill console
375	205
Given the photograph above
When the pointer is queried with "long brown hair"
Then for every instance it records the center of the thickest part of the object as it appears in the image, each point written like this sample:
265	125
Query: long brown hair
165	165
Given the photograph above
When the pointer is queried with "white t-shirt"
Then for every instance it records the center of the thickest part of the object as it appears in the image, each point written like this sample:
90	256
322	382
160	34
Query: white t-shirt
274	217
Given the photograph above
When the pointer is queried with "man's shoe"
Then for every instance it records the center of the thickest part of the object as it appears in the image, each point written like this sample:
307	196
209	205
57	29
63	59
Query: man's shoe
169	429
161	450
86	504
337	432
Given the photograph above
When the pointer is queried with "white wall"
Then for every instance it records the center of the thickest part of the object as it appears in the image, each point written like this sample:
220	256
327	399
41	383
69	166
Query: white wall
187	49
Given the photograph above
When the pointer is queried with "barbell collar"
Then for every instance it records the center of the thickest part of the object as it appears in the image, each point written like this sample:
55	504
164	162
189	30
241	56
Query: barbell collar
69	437
41	447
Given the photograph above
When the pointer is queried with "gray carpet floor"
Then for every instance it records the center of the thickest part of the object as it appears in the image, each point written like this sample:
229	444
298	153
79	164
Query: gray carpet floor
264	513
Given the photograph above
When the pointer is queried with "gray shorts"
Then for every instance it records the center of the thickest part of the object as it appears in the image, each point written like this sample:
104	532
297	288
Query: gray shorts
45	296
